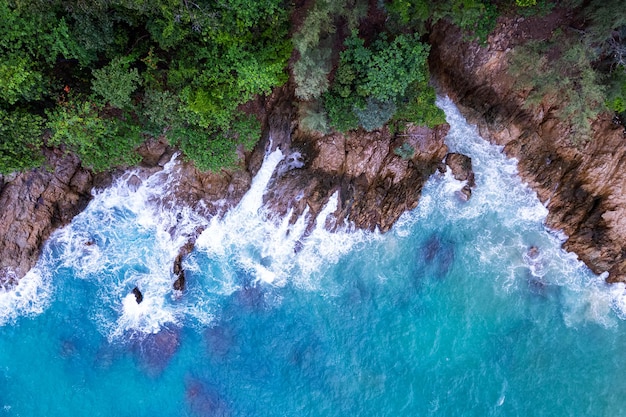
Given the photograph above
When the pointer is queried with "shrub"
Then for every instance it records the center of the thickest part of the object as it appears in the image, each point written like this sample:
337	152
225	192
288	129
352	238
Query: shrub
20	141
115	83
405	151
100	142
419	107
313	118
375	113
371	83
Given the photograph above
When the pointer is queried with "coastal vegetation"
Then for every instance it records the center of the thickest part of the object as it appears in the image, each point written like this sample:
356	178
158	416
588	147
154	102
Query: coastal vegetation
99	78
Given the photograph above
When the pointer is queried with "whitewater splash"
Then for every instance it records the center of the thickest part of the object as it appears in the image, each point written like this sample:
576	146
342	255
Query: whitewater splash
129	236
250	241
518	224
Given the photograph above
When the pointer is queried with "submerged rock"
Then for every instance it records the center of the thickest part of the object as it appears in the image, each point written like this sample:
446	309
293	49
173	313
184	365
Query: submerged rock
155	350
220	339
438	255
205	400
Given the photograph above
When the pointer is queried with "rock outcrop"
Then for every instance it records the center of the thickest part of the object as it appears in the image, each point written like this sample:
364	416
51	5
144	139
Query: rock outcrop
376	182
35	203
583	186
377	175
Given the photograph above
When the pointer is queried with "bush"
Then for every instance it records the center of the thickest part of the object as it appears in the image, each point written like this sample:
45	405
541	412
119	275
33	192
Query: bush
20	141
100	142
375	113
313	118
115	83
419	107
340	111
371	83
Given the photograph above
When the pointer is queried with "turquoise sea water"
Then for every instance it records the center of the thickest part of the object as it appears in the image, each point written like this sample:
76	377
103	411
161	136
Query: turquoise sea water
445	315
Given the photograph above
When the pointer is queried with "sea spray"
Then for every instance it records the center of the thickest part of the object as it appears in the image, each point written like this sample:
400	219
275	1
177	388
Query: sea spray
520	225
252	242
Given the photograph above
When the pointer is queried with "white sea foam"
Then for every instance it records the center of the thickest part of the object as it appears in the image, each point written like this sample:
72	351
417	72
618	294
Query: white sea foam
30	297
500	193
273	250
129	236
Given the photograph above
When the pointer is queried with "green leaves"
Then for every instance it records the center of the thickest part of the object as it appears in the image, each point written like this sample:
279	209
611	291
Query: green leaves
20	141
371	84
100	142
115	83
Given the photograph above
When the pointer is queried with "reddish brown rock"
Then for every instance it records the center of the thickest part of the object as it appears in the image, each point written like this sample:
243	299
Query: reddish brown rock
583	186
33	205
375	184
461	167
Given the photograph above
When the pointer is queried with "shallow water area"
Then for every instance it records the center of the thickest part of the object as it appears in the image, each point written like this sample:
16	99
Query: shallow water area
450	313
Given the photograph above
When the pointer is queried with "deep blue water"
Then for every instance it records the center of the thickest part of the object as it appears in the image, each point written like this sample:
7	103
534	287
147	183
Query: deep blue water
445	315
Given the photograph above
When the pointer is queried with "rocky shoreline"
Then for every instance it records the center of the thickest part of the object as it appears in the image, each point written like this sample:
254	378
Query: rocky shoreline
377	175
582	186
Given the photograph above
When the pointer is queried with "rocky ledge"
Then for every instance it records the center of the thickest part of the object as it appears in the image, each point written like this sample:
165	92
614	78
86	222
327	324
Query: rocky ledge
377	176
33	205
582	186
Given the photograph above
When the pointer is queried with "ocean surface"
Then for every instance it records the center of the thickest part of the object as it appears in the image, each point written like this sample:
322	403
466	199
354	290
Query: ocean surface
449	314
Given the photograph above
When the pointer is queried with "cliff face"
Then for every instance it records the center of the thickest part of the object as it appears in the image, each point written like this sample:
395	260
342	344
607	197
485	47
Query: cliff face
583	186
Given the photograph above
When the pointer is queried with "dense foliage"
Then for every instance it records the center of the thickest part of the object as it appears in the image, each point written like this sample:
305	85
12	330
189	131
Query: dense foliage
103	76
100	77
582	72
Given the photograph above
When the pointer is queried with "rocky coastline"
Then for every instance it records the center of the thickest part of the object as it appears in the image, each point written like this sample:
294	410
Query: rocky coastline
582	186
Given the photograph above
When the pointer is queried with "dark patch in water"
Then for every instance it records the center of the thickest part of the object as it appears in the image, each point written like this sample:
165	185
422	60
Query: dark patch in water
155	350
138	295
220	339
536	285
250	297
430	248
438	254
205	400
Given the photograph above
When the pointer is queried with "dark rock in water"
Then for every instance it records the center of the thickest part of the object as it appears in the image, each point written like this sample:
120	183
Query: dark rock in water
155	350
461	166
205	400
465	193
177	268
179	284
138	295
220	340
533	252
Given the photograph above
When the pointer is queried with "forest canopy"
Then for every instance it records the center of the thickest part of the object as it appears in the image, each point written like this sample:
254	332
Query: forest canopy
99	77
